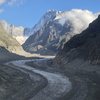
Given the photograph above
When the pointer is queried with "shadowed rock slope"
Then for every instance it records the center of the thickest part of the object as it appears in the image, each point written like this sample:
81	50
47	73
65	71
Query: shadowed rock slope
84	46
6	56
80	60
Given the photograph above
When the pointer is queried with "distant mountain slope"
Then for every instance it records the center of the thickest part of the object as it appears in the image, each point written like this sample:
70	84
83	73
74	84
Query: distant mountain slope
8	42
18	32
55	28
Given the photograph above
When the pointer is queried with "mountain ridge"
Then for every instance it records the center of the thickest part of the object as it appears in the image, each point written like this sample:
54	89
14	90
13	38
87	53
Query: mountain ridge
51	33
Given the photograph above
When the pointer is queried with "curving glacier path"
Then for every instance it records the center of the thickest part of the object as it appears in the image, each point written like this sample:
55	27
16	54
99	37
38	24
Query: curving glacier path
57	86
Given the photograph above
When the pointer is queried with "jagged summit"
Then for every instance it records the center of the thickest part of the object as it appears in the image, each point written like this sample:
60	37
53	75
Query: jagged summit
55	28
46	18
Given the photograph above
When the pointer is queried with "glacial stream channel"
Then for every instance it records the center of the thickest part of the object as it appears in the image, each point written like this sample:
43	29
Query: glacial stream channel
57	86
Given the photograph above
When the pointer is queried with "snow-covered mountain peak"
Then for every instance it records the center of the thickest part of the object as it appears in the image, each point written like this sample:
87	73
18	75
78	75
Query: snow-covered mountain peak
49	16
53	12
55	28
79	19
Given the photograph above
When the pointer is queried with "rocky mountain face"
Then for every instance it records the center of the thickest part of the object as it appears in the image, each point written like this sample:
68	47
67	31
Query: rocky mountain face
8	42
18	32
55	28
85	46
11	38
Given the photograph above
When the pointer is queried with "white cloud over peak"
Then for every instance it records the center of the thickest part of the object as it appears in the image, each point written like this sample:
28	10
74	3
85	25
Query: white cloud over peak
78	18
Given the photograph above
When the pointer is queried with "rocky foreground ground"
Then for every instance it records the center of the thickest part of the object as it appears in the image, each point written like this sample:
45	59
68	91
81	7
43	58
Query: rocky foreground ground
22	84
18	85
57	83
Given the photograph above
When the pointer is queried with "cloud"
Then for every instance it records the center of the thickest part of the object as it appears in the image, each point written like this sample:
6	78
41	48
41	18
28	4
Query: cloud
12	2
15	2
2	1
78	19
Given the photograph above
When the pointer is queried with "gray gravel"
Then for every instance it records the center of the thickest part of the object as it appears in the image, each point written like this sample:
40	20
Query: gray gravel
57	86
